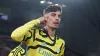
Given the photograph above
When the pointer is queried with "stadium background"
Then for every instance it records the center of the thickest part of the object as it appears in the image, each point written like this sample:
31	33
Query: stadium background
80	26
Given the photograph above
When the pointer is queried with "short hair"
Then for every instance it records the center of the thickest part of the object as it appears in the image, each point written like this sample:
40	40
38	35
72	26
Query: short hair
52	8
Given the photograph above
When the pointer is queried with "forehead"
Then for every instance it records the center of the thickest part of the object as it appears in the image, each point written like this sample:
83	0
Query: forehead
57	13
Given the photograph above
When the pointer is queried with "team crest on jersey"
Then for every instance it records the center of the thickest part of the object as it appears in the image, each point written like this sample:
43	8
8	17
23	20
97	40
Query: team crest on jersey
43	44
44	52
57	49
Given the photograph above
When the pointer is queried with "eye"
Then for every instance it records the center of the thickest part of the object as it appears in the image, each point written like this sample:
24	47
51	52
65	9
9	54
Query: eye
53	14
59	16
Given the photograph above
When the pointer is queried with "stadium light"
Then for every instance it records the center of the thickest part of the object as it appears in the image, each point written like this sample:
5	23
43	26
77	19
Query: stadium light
49	2
56	4
42	2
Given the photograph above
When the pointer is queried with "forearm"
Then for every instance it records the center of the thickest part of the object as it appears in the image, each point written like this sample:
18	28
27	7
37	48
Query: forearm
18	34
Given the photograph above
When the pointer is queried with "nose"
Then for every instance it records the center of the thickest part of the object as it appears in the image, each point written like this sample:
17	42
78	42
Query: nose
57	17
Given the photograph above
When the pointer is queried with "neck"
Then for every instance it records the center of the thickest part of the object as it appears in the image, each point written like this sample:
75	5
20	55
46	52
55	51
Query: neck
51	31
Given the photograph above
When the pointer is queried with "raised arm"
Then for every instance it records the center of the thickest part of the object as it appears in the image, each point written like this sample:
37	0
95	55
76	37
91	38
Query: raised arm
19	33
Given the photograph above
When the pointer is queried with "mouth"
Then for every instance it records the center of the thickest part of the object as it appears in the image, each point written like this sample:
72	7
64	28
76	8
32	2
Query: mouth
56	23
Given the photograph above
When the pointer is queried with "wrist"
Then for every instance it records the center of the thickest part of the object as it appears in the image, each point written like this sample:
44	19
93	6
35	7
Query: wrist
41	20
38	21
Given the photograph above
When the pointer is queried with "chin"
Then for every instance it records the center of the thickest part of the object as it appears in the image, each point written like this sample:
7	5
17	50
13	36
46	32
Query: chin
55	27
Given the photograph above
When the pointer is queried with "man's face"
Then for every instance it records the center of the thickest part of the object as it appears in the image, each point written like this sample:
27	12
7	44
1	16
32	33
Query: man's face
53	19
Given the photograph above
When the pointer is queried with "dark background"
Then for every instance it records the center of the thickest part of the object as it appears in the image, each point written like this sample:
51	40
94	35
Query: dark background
80	26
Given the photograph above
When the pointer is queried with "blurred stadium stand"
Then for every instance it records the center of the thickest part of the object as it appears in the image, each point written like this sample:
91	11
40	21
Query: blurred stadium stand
80	24
6	45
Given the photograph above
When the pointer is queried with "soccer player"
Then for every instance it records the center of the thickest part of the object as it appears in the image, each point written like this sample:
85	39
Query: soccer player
42	41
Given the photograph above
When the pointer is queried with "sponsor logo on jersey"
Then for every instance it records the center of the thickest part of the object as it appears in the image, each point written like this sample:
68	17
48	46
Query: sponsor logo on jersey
43	52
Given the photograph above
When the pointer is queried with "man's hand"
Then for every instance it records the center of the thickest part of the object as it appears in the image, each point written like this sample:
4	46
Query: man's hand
42	19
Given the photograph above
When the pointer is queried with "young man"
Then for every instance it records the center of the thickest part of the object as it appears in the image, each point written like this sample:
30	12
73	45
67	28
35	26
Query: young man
42	41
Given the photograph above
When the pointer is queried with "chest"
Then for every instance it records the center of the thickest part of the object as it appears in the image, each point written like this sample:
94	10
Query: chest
43	44
46	41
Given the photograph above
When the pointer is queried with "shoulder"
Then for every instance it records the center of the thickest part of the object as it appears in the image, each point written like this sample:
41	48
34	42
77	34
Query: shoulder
36	28
61	40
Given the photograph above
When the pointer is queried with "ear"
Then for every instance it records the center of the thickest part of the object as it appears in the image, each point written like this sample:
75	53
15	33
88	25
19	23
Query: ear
46	16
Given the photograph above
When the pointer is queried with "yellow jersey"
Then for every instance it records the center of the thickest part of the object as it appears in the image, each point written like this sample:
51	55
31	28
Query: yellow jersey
18	51
38	41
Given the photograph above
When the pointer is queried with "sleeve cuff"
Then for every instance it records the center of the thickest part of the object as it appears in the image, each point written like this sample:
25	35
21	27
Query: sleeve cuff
38	21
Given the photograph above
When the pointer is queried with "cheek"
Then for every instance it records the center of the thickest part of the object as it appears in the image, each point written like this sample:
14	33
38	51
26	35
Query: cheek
49	19
49	22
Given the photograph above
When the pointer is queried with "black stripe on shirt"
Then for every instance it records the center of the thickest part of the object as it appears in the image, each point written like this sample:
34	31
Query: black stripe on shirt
29	36
37	46
37	39
34	35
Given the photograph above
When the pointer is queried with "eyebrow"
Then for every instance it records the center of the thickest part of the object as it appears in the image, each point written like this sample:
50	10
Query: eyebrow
55	13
